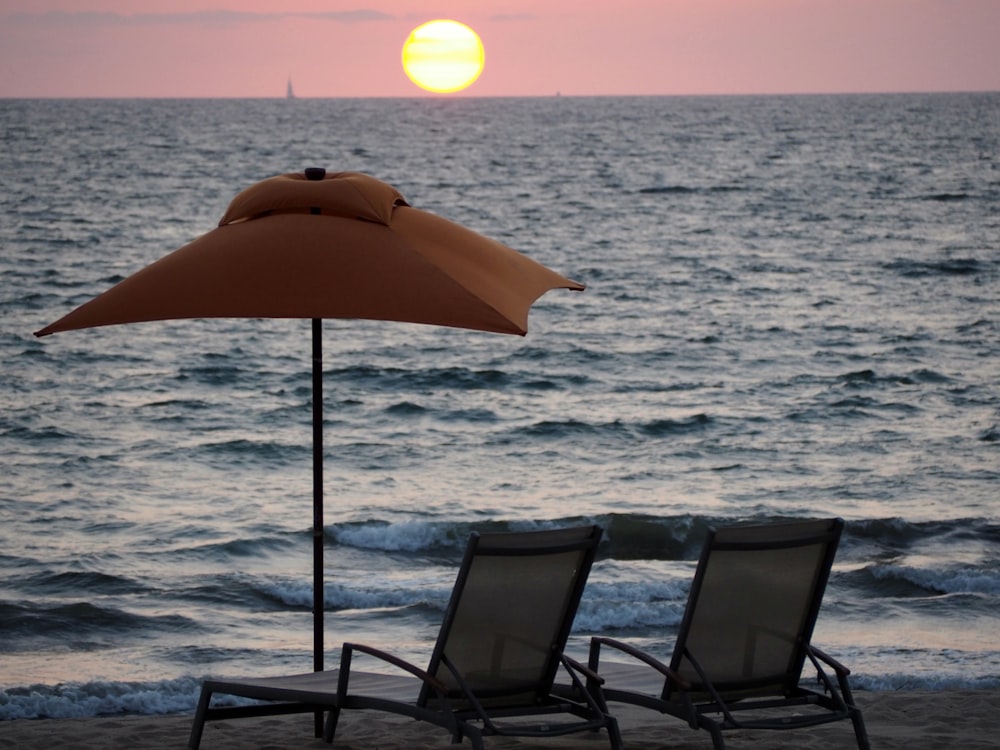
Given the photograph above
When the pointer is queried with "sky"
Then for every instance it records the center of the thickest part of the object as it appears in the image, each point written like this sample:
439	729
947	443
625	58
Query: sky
352	48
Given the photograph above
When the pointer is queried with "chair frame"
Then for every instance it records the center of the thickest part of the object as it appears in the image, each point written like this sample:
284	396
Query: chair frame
460	708
700	703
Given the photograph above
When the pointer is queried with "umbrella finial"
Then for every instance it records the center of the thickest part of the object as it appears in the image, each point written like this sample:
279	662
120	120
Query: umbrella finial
315	173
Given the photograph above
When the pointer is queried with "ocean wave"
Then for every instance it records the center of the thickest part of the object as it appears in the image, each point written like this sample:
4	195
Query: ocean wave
44	434
223	373
616	599
946	197
990	435
626	536
896	533
99	698
631	615
432	537
79	622
243	547
408	536
383	594
667	427
618	429
178	411
911	268
409	409
72	582
245	450
423	379
565	428
370	594
406	409
866	377
387	595
890	681
689	190
287	592
669	190
910	580
631	536
644	536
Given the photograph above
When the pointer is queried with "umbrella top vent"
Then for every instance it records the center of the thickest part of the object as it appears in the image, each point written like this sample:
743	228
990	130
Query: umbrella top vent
350	195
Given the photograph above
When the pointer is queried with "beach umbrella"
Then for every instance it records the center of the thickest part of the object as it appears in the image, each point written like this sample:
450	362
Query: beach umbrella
317	245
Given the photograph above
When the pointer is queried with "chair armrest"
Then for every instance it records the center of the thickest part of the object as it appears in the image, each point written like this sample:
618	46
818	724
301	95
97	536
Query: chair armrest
586	671
385	656
651	661
835	665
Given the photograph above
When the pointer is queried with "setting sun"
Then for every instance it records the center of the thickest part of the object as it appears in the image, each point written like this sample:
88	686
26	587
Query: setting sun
443	56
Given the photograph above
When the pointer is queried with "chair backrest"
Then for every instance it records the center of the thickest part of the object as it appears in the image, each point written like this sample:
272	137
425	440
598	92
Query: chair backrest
753	605
511	612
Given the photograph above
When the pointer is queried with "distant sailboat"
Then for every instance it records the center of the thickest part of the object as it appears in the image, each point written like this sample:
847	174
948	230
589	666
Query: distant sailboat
290	93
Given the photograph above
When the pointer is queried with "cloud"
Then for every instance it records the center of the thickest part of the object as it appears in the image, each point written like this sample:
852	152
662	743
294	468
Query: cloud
78	19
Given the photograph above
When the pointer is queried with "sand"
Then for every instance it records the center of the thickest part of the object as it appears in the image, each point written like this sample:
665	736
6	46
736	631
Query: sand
896	721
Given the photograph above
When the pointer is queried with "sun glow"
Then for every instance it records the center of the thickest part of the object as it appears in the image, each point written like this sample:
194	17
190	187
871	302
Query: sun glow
443	56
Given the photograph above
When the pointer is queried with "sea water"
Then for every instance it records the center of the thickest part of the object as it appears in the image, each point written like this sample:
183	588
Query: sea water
793	310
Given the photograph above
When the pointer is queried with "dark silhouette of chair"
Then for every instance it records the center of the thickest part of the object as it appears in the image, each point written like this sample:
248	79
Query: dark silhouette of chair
744	638
500	646
493	666
312	692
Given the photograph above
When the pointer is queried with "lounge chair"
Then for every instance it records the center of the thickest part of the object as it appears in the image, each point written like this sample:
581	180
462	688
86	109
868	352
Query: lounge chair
744	639
499	648
493	666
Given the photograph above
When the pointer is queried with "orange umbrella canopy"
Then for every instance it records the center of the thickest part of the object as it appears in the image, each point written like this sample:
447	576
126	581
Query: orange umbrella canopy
330	245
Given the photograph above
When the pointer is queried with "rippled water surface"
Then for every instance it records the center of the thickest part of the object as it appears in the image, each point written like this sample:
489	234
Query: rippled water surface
792	310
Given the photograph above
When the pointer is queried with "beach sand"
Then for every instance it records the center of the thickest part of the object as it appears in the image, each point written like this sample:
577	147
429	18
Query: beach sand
896	720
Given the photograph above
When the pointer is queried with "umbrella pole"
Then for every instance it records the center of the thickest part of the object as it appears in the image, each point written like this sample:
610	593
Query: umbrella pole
317	416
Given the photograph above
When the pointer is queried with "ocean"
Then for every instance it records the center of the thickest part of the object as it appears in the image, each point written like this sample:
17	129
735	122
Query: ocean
793	310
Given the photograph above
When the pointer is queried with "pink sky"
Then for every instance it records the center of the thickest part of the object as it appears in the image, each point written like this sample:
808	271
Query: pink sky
248	48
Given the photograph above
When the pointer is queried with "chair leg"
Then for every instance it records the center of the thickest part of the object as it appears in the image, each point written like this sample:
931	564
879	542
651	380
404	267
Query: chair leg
474	735
614	734
198	725
331	725
717	740
860	732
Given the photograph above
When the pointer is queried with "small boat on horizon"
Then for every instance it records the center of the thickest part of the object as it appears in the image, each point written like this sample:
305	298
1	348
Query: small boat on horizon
290	92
